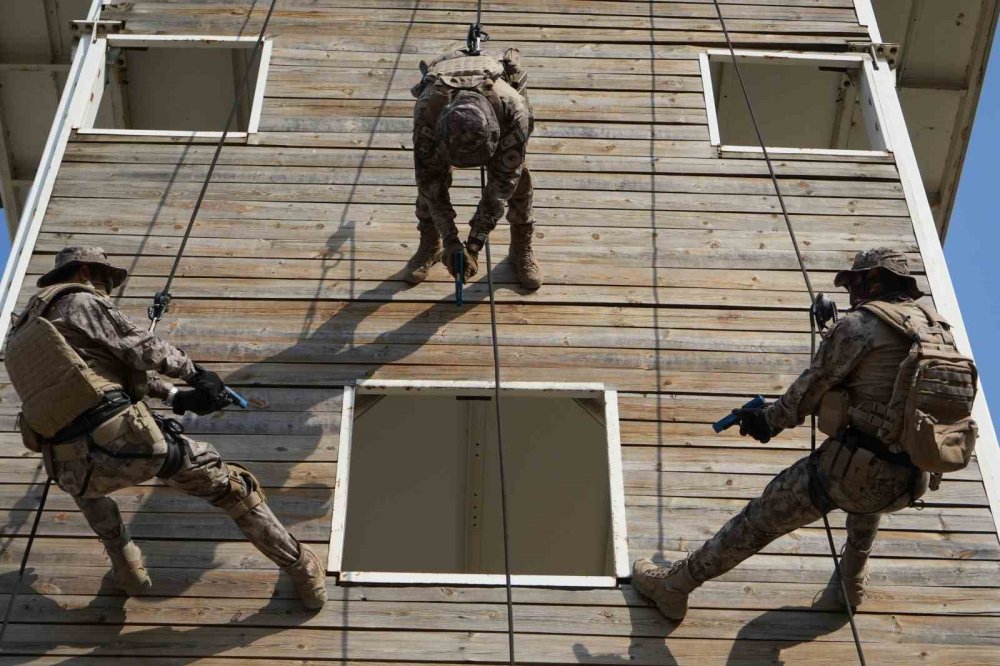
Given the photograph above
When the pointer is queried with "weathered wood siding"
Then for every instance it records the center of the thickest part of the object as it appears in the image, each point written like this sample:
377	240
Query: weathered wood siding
670	277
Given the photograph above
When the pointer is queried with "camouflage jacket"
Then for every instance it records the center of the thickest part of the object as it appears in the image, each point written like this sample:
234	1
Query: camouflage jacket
860	353
95	327
503	171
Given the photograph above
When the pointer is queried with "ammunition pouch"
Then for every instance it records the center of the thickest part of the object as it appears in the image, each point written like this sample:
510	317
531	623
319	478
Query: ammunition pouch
846	461
116	429
833	414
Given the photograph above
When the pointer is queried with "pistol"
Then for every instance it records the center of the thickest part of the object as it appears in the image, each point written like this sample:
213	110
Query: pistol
732	419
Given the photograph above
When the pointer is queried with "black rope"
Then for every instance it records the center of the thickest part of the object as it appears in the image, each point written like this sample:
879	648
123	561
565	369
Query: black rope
24	561
812	299
496	400
163	297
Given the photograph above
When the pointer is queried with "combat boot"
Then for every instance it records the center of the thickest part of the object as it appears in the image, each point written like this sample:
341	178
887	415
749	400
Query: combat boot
522	257
668	587
309	576
127	566
854	573
428	253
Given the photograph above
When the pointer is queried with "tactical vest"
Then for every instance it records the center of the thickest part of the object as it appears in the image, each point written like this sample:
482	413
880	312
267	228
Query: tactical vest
928	415
52	380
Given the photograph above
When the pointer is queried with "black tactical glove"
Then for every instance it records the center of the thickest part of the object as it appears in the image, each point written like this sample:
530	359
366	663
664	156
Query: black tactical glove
753	422
207	382
451	248
196	401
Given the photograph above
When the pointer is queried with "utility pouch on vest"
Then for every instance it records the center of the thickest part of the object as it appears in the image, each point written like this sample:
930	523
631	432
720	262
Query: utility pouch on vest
133	435
55	385
833	413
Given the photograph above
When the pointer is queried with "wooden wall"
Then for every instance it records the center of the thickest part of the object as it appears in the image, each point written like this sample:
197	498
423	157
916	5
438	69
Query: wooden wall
670	277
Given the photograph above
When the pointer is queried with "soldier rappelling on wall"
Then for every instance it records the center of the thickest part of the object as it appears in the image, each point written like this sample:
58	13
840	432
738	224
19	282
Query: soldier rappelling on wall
893	395
472	111
82	369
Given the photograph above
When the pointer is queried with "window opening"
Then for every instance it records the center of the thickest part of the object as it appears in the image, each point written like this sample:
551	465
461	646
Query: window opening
804	103
174	86
418	496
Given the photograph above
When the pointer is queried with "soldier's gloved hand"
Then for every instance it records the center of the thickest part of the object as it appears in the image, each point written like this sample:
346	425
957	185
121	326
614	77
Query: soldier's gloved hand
207	382
451	249
196	401
753	422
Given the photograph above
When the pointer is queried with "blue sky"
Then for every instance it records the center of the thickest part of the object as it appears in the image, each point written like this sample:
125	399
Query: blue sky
972	246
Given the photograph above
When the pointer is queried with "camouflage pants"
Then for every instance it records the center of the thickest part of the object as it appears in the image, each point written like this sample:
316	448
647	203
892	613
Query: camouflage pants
203	473
787	504
519	208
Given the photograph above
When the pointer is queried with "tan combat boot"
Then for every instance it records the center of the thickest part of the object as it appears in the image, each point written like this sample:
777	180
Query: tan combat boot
127	566
668	587
854	573
309	576
428	253
522	257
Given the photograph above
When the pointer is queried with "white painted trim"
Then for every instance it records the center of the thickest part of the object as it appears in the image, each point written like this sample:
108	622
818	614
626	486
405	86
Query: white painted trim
264	70
781	57
616	486
403	578
705	64
485	387
41	189
866	18
160	133
86	115
616	481
876	135
338	521
178	41
805	151
942	288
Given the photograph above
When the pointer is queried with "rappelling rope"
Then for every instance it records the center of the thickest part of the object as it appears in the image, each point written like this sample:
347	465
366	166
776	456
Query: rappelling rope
162	299
476	30
812	300
24	560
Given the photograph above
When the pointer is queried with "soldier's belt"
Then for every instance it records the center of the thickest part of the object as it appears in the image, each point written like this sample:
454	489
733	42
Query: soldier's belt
855	438
114	402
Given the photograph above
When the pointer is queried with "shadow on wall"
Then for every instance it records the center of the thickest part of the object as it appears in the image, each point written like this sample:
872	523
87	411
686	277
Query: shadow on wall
349	361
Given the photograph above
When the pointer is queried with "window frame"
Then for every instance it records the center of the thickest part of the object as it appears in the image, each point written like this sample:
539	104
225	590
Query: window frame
94	73
619	534
875	124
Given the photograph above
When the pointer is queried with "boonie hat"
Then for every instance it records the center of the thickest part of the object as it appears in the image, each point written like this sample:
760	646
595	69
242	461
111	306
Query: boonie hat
70	258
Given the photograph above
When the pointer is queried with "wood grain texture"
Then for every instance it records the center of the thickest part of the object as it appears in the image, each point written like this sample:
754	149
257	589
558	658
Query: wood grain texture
670	277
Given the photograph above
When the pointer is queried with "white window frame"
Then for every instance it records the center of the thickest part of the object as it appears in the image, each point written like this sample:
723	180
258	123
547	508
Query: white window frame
84	111
616	482
871	107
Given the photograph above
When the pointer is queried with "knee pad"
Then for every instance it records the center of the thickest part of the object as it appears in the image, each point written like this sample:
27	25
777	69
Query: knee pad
244	493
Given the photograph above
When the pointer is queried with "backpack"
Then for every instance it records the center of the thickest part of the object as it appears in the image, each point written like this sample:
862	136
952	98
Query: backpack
929	414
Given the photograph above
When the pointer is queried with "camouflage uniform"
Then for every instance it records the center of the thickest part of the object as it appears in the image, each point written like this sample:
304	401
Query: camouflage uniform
508	181
855	472
89	469
861	354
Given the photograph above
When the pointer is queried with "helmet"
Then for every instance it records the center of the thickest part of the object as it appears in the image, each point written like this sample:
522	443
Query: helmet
886	259
70	258
469	130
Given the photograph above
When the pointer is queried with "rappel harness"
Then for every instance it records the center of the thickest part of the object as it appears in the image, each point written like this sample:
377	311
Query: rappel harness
822	308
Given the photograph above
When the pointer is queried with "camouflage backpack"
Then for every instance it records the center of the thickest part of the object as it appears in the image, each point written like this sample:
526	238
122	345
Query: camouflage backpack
929	414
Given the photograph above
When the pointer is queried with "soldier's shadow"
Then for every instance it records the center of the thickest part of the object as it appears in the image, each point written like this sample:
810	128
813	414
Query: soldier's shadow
650	648
763	639
103	618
